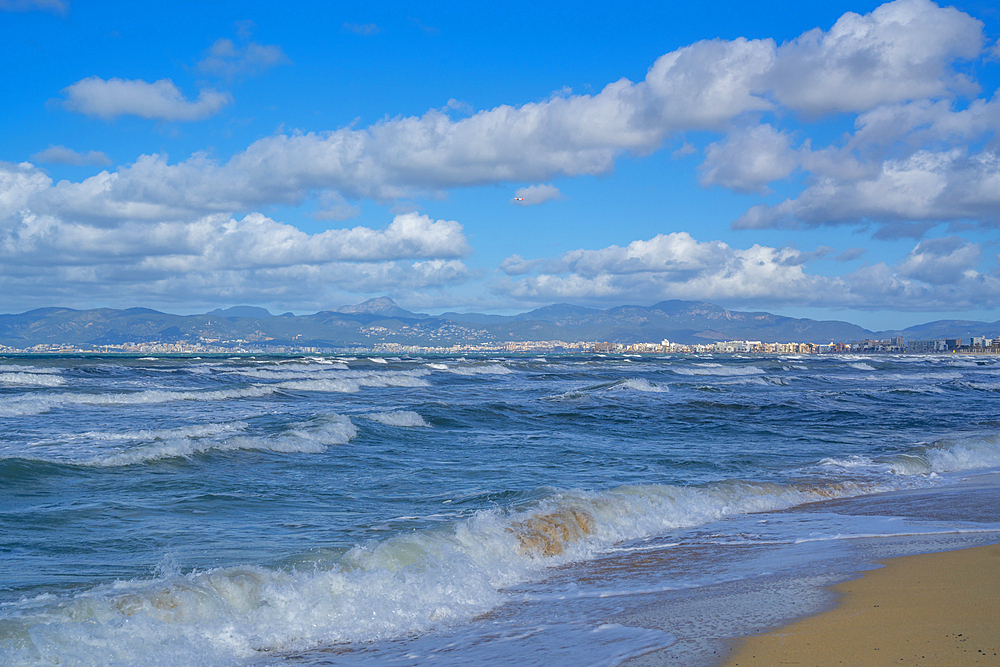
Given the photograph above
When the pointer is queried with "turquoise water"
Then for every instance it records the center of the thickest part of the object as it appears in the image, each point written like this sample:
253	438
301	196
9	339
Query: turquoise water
350	510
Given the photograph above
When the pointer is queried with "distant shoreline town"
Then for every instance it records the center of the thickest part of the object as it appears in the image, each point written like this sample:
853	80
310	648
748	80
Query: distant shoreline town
379	326
895	345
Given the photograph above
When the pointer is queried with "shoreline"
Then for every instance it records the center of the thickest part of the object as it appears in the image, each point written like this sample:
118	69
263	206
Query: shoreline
927	609
804	580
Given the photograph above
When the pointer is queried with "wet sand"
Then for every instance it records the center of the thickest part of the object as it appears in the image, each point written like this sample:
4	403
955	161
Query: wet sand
933	609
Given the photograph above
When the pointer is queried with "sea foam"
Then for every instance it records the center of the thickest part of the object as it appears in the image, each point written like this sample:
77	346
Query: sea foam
32	379
412	582
305	438
404	418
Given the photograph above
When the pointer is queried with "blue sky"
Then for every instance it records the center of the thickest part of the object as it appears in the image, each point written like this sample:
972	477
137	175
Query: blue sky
838	161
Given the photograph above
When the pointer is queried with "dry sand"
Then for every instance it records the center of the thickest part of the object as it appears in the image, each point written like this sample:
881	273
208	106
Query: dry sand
934	609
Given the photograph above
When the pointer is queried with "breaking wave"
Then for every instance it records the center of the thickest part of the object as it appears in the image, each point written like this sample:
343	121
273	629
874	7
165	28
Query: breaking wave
479	369
33	404
412	582
32	379
334	381
639	384
405	418
945	456
305	438
717	369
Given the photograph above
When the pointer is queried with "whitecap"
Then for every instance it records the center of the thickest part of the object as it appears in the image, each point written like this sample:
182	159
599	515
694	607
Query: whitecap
640	384
484	369
304	438
404	418
718	370
32	379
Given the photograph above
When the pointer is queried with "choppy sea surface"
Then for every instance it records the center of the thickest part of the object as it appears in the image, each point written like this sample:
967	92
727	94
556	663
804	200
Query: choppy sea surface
451	511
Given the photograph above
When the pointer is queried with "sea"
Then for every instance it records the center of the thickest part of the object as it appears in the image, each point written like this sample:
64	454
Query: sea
581	509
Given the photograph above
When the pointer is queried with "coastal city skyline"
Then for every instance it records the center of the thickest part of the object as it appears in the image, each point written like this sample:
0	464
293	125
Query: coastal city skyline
833	162
380	326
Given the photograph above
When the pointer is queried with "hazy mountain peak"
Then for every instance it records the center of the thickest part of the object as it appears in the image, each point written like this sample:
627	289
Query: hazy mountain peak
242	311
381	305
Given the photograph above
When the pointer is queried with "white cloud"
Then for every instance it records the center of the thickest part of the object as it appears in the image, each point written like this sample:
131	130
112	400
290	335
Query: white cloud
161	100
535	194
901	51
63	155
18	184
225	59
941	261
938	274
708	85
304	287
670	266
515	265
201	258
749	159
918	154
60	7
907	196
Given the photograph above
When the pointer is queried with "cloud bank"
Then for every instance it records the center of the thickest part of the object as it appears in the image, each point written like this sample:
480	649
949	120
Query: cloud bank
900	60
936	275
923	150
252	258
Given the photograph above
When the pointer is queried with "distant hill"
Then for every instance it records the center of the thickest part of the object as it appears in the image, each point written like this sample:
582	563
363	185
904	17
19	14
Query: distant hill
243	311
382	320
383	306
951	329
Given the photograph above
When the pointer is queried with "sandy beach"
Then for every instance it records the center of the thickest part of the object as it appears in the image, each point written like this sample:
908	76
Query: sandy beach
933	609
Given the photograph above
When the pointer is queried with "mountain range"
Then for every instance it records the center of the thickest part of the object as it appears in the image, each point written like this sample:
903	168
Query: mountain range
381	320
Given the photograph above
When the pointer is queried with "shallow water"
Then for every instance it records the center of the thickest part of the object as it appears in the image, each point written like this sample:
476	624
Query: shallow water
244	511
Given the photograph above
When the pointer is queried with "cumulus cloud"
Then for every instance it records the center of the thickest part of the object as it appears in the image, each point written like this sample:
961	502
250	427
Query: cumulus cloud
749	159
535	194
250	255
936	274
63	155
18	184
60	7
226	59
907	195
902	51
920	152
905	49
905	168
160	100
669	266
941	261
